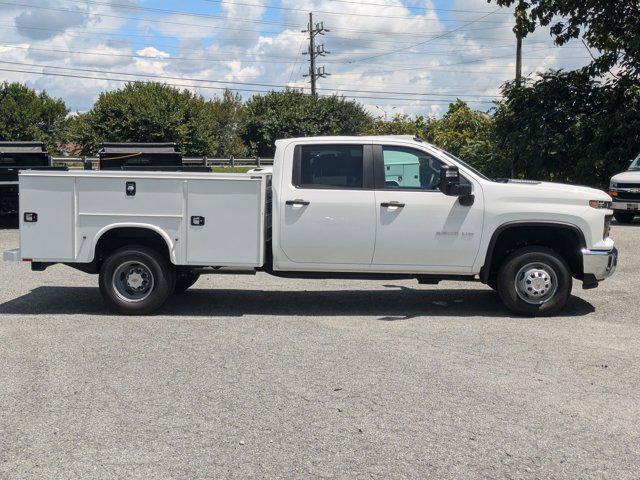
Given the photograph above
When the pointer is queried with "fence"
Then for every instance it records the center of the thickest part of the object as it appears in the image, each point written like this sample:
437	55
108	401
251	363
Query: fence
79	162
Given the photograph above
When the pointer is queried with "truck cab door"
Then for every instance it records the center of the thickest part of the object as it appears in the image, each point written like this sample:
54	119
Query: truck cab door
418	227
327	212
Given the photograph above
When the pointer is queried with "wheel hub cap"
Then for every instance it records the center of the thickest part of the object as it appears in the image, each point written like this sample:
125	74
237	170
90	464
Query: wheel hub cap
536	283
133	281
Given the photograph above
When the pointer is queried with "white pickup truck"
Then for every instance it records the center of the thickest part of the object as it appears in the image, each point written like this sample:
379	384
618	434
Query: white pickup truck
625	190
331	207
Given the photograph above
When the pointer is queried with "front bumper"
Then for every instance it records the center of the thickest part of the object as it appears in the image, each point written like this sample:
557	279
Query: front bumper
599	264
626	205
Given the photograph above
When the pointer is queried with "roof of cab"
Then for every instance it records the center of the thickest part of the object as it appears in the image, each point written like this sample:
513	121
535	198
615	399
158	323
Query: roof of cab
352	138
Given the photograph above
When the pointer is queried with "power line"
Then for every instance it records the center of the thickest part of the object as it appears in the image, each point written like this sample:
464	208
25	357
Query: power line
107	15
209	60
412	100
228	82
370	32
407	7
425	42
146	57
179	12
198	14
169	34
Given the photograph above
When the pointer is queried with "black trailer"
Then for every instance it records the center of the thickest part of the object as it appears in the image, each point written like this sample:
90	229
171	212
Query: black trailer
144	157
16	156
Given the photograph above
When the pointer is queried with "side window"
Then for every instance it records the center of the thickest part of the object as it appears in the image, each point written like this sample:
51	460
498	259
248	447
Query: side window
407	168
330	166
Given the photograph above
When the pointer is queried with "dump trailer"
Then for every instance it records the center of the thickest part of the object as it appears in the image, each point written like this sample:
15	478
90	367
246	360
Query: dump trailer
144	157
14	157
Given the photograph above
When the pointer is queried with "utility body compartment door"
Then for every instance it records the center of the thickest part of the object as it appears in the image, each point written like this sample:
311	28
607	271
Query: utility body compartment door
225	222
51	236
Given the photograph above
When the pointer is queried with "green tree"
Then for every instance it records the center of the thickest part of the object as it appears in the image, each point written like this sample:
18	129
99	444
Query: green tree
291	113
228	113
400	125
611	27
155	112
565	126
29	116
467	134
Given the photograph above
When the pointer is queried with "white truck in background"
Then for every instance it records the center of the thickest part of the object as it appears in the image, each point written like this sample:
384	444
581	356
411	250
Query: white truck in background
625	191
331	207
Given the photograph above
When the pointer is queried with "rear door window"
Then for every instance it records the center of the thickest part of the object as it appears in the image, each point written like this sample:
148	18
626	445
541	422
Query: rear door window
330	166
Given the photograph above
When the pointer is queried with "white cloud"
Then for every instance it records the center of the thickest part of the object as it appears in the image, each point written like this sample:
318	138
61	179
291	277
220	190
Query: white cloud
371	49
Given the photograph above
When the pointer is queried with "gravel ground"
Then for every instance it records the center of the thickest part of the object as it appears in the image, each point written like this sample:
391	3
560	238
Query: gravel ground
259	377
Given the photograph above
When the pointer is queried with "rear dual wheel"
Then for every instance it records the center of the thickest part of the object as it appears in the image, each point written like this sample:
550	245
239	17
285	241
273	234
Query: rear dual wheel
136	280
534	281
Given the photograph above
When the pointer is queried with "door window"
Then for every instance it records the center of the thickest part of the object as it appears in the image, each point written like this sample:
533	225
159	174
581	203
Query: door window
330	166
407	168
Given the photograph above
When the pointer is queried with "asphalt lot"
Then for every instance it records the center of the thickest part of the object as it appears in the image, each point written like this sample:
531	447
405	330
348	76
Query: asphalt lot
258	377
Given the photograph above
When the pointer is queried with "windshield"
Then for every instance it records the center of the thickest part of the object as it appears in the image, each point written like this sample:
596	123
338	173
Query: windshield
464	164
635	165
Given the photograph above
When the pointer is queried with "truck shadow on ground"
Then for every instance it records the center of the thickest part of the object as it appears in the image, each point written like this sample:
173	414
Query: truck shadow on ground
392	304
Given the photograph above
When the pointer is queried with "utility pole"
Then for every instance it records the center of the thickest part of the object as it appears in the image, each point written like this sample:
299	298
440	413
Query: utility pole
519	60
519	9
314	52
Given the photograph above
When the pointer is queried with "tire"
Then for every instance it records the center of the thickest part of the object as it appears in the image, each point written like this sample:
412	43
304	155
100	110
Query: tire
185	280
534	281
136	280
624	217
493	283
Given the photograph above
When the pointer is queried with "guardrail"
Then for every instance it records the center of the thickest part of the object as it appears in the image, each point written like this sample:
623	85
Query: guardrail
80	162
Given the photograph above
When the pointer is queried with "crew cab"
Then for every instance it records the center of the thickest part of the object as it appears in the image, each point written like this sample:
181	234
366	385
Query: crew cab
625	190
331	207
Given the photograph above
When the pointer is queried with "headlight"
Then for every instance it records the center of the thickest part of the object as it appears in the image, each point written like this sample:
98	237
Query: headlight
600	204
613	185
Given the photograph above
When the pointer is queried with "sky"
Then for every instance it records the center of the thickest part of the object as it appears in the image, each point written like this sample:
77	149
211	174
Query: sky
393	56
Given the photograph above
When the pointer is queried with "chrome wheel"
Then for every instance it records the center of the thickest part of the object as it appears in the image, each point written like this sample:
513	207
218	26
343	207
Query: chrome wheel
133	281
536	283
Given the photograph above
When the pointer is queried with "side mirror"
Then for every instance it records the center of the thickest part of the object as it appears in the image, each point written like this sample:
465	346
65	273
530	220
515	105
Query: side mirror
450	180
450	185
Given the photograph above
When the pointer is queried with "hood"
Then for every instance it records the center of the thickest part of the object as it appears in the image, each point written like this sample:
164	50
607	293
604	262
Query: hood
579	190
627	177
556	191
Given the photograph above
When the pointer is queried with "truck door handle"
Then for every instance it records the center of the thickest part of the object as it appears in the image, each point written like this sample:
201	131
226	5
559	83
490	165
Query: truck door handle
392	204
297	202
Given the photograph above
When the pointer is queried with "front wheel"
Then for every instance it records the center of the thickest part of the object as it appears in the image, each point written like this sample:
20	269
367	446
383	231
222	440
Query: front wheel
624	217
136	280
534	281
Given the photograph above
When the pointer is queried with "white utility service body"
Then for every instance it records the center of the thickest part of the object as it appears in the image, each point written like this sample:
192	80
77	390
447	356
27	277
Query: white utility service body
75	209
332	206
